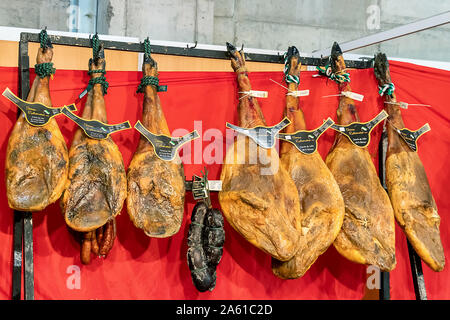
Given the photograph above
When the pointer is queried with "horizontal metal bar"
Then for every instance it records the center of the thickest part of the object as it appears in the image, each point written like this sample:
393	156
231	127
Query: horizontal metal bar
397	32
187	52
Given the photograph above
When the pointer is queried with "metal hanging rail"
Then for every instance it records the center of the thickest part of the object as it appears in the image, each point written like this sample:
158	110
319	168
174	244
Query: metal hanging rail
187	51
23	235
397	32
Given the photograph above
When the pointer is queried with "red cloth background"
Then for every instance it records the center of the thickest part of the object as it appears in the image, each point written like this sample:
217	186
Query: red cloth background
139	267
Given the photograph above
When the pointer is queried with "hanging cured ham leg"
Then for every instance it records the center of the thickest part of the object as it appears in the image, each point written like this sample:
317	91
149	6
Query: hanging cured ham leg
321	202
96	188
258	198
414	206
37	157
156	188
368	232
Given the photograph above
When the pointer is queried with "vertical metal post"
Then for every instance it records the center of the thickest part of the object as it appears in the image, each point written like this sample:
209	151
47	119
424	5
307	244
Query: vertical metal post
17	256
23	221
28	272
385	287
417	274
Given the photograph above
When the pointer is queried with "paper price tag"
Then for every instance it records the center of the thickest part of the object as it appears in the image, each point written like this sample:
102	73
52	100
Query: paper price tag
95	129
256	93
36	114
353	95
300	93
261	135
165	147
358	132
411	137
306	141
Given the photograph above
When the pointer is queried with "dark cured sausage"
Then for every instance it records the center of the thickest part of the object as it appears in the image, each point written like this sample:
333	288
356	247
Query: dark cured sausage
196	257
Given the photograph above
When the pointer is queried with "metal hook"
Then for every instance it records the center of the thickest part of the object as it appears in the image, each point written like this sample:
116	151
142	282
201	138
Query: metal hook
195	45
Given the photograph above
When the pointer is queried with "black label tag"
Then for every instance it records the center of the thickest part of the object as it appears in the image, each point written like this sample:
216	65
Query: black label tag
199	188
161	88
35	113
306	141
358	132
411	137
165	146
263	136
96	129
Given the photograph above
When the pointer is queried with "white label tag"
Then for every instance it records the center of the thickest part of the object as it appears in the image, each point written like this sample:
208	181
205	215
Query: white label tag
256	94
353	95
311	68
287	137
215	185
300	93
403	105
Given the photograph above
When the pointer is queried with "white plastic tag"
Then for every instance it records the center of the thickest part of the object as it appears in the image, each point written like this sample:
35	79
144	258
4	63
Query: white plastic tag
353	95
299	93
256	94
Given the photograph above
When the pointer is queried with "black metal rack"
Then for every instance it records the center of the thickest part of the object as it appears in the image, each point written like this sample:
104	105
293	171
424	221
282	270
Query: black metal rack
23	226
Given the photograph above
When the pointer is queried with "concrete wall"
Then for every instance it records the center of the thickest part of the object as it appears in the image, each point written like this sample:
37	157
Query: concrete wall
266	24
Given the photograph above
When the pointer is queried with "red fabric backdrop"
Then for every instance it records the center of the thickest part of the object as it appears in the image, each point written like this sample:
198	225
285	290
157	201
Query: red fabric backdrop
139	267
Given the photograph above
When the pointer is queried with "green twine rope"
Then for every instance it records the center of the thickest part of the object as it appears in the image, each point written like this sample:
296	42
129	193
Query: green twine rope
147	49
95	46
288	77
388	89
147	80
45	69
101	80
338	77
43	38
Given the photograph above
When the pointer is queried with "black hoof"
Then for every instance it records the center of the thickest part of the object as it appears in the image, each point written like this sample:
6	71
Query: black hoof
230	48
381	65
336	49
292	52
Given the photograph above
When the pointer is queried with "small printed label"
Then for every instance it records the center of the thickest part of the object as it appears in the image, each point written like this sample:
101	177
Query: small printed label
36	114
161	88
306	141
215	185
256	94
95	129
353	95
311	68
199	188
359	133
411	137
263	136
403	105
299	93
165	146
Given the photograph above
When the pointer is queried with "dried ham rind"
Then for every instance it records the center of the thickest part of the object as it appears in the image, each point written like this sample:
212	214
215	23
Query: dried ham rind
321	203
367	235
407	183
156	190
37	158
258	198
